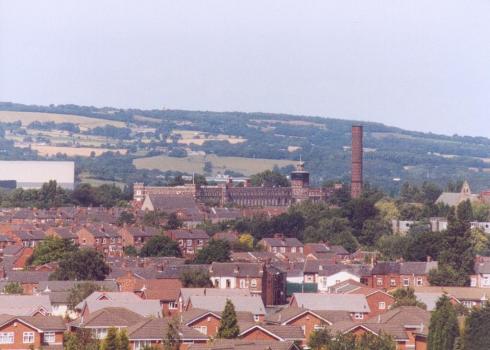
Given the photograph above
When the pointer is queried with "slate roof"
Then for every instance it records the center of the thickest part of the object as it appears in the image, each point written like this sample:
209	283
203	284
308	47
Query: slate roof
236	269
482	267
24	305
252	304
170	204
460	293
187	234
283	242
332	302
63	286
416	267
27	276
195	314
130	301
186	293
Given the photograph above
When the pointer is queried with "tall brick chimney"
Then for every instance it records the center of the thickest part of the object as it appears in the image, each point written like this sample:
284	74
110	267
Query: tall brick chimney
356	184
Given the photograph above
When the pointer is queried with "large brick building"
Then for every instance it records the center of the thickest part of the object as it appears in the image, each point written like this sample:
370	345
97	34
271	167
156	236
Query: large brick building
246	196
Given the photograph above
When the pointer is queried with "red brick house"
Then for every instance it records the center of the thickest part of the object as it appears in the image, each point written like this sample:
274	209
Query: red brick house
389	275
103	238
31	332
190	240
137	236
379	301
281	244
307	320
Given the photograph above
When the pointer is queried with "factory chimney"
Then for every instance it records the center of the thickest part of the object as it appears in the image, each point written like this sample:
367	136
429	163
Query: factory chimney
356	184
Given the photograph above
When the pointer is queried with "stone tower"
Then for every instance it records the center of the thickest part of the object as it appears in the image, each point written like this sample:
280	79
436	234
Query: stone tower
356	184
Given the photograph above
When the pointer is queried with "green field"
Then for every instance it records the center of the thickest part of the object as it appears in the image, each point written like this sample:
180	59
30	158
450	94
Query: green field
246	166
83	122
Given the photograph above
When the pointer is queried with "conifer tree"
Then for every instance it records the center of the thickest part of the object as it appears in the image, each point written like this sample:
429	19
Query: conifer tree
111	341
171	340
228	327
123	340
476	334
443	328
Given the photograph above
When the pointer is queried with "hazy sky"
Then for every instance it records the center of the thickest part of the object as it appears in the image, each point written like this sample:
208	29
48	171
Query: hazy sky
418	64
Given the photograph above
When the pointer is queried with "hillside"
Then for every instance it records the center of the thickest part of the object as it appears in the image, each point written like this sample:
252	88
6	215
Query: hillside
153	139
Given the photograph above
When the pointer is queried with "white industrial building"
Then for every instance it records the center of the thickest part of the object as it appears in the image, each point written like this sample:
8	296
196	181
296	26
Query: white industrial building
33	174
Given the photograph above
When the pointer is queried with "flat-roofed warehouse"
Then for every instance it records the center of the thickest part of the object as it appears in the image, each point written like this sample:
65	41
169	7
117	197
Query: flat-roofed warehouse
33	174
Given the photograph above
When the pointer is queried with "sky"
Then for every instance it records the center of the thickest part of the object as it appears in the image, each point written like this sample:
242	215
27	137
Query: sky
417	64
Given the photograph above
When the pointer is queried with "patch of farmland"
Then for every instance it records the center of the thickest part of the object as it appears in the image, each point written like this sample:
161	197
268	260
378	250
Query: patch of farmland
45	150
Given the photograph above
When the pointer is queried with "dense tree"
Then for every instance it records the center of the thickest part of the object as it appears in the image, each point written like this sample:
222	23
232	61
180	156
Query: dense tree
269	178
456	258
123	340
13	288
126	217
161	246
228	326
443	328
195	278
130	250
289	224
173	222
476	335
51	249
320	339
81	339
82	265
80	291
406	297
217	250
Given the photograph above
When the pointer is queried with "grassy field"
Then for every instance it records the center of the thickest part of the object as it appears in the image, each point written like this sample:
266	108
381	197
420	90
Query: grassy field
198	137
44	150
83	122
246	166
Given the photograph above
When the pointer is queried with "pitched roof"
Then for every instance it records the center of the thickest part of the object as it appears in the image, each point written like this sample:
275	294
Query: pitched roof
109	317
156	328
24	305
460	293
251	304
282	242
244	344
280	332
167	289
417	267
236	269
332	302
290	313
128	300
63	286
186	293
42	323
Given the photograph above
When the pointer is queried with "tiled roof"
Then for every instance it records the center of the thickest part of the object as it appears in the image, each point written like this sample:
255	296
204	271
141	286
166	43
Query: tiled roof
282	332
156	328
109	317
43	323
283	242
24	305
244	344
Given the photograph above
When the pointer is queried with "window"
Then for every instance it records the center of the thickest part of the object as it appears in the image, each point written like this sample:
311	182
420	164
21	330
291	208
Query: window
382	305
141	344
406	282
189	242
379	281
104	241
6	337
200	242
420	282
28	337
283	249
202	329
253	283
228	284
392	282
318	327
97	241
303	328
113	240
181	242
100	333
256	318
293	249
274	249
172	305
242	283
49	337
358	316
